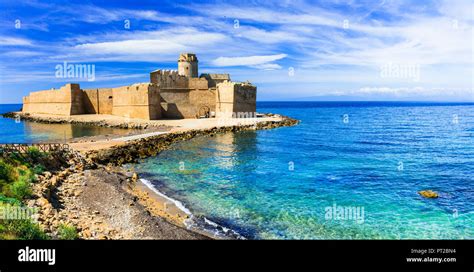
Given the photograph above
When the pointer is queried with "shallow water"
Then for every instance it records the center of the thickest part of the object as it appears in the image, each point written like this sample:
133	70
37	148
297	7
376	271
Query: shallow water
372	158
12	131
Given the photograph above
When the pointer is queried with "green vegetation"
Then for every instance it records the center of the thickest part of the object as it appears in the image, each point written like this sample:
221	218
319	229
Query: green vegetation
67	232
34	153
11	201
15	179
20	230
16	176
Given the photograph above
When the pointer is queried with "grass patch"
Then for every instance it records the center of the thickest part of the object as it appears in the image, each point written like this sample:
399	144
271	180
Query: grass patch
15	179
7	200
18	229
16	175
67	232
21	230
34	153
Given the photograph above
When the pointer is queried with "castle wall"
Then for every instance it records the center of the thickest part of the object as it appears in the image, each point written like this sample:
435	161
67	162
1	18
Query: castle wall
68	100
98	101
238	99
215	79
137	101
186	103
168	79
245	99
225	100
198	83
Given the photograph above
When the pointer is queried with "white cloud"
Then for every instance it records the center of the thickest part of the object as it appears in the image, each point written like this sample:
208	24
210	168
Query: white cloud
247	61
131	47
418	91
268	66
22	76
458	9
7	41
148	45
270	37
317	16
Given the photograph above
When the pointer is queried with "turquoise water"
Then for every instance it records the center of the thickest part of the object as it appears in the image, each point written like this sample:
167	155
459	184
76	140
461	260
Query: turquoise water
370	157
12	131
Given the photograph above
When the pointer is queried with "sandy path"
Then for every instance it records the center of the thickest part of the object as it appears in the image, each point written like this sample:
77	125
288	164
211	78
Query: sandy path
181	125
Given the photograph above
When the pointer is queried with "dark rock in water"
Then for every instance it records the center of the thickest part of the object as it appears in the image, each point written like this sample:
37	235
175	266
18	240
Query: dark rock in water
428	194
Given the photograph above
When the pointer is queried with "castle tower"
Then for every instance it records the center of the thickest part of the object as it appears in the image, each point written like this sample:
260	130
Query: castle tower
188	65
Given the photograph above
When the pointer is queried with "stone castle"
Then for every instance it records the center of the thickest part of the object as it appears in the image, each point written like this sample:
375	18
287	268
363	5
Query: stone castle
169	95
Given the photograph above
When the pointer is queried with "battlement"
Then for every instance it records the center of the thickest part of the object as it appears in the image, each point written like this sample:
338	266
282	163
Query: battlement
168	79
215	79
188	65
187	57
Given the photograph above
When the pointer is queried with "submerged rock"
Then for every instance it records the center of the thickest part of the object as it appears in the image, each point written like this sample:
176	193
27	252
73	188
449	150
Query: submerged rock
428	194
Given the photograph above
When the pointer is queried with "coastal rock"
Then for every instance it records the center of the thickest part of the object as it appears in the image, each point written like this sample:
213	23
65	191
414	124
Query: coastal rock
77	193
47	174
135	177
42	202
54	181
86	233
428	194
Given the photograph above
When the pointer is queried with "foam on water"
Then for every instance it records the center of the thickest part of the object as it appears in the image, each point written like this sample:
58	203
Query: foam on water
201	224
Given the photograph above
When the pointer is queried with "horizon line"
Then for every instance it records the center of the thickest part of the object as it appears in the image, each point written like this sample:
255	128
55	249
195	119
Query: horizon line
379	101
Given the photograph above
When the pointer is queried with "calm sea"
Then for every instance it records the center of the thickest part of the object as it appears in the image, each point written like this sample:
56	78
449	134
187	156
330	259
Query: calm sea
350	170
18	131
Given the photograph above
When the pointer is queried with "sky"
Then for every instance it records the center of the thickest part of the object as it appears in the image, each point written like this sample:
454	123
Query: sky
371	50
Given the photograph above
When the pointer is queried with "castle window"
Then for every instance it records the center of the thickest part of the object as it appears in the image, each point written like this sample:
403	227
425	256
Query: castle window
110	97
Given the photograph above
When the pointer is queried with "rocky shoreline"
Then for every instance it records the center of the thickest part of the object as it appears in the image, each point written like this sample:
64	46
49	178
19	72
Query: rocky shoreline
68	120
92	192
147	147
99	202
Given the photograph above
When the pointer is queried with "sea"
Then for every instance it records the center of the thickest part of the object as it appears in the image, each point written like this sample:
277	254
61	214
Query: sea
17	131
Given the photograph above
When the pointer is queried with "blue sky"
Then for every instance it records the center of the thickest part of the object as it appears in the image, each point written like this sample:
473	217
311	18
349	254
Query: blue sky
292	50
